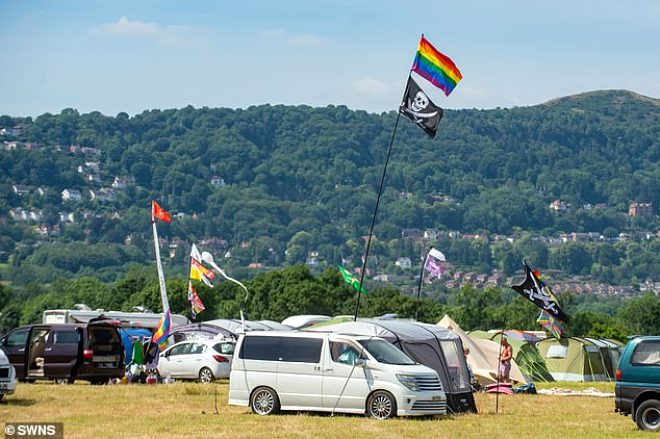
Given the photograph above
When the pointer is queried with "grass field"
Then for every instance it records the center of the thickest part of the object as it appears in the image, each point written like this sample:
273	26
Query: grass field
187	410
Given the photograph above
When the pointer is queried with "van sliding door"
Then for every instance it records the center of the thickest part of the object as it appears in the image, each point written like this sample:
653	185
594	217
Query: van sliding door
345	386
300	374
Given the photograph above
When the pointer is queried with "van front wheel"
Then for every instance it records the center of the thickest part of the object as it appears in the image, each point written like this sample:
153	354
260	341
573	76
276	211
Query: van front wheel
264	401
647	416
381	405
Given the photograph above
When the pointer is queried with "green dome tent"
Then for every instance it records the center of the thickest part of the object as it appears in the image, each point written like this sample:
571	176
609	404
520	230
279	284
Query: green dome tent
573	359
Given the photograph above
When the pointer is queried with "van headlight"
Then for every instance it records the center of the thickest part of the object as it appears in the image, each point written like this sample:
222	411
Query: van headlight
408	380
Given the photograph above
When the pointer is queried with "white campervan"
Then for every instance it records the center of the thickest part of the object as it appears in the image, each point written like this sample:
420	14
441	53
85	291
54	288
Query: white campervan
333	373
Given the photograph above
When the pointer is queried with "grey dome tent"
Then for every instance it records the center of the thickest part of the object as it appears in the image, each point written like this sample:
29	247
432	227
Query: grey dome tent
433	346
229	328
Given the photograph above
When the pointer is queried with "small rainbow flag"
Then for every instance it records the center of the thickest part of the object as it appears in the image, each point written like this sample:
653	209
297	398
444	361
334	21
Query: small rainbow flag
435	67
163	331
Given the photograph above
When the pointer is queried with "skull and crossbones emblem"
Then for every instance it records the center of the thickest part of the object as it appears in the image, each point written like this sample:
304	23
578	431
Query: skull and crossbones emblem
417	105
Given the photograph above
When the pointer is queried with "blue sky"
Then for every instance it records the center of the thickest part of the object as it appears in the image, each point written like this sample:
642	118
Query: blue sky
130	55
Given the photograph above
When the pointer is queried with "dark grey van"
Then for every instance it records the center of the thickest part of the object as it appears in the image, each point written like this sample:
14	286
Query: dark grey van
89	351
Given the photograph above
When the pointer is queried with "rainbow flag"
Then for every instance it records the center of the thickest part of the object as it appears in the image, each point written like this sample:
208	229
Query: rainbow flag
196	303
552	325
435	67
163	331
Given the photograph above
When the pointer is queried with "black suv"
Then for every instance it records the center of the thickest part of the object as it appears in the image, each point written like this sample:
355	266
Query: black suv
637	389
65	352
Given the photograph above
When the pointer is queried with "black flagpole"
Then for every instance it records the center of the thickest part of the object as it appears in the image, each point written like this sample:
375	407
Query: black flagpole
380	193
419	287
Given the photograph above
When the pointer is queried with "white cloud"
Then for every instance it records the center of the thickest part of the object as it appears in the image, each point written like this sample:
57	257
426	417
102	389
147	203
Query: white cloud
124	26
375	87
176	35
296	40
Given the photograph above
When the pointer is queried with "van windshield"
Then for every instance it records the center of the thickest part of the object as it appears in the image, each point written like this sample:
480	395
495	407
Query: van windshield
385	352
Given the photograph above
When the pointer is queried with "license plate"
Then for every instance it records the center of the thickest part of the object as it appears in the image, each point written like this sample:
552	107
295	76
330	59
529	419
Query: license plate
105	365
436	398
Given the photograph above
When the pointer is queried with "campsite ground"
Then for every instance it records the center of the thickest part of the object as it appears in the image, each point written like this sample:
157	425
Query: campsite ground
187	410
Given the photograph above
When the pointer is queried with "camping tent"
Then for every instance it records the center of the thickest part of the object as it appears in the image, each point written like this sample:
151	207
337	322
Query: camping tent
302	321
129	336
195	331
525	353
573	359
427	344
235	326
223	328
610	352
484	355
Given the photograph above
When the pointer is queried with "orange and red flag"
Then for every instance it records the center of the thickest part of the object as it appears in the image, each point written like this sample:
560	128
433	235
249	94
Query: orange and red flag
159	212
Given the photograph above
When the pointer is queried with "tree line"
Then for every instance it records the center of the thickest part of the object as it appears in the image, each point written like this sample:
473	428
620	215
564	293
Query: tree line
278	294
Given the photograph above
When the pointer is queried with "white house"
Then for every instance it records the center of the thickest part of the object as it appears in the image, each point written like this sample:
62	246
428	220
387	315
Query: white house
217	181
403	262
122	181
71	195
20	189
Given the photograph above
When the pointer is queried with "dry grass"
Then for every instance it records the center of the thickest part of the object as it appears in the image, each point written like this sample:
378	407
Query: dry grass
187	410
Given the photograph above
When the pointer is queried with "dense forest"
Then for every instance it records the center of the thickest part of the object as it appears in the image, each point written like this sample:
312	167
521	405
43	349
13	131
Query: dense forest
275	186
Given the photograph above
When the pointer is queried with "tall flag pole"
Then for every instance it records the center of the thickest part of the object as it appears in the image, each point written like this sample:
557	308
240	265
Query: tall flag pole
373	220
163	331
434	264
441	72
158	212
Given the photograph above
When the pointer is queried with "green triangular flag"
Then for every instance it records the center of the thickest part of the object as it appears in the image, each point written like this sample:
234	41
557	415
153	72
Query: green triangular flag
350	279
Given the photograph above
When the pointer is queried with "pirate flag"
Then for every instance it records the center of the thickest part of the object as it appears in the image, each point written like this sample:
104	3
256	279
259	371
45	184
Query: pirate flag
418	107
536	291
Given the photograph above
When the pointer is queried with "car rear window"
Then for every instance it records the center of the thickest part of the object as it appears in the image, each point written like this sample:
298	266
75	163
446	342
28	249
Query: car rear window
103	335
224	348
647	353
291	349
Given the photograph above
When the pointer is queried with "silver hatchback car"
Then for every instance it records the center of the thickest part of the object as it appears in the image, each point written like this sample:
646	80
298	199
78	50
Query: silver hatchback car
204	360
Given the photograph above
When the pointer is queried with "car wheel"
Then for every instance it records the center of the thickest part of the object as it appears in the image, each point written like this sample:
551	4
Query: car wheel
381	405
647	415
264	401
205	375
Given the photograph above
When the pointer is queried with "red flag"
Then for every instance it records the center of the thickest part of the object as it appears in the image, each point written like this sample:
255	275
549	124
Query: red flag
159	212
